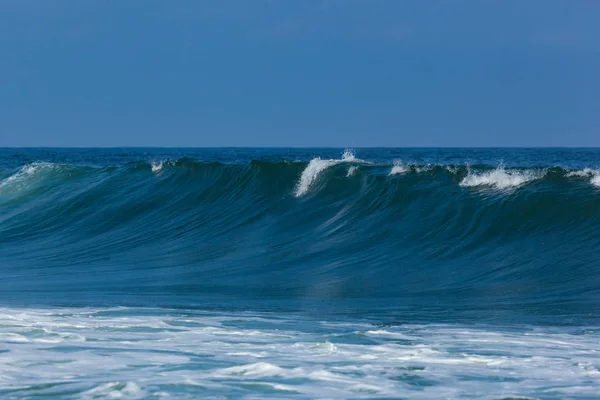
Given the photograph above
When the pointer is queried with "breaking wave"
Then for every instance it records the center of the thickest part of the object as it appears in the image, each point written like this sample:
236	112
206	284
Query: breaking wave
333	228
500	178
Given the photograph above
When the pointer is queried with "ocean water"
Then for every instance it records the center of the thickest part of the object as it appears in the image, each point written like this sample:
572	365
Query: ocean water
300	273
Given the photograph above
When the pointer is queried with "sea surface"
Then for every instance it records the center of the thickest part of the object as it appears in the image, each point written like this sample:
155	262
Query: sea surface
300	273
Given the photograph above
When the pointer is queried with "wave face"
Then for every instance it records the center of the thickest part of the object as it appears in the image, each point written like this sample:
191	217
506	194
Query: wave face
263	273
484	234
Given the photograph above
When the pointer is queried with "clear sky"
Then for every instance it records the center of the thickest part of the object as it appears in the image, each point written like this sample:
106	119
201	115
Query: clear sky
299	73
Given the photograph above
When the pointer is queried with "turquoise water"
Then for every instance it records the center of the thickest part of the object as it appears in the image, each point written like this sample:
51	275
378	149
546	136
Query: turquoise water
302	273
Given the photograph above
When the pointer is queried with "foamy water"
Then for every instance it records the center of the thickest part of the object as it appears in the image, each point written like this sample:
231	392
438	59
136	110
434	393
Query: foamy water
592	174
157	166
153	353
398	168
500	178
315	167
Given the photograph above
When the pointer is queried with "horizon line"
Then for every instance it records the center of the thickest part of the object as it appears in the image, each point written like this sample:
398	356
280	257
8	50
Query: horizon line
300	147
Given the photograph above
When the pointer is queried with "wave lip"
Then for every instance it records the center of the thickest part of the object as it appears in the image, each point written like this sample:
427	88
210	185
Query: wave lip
593	174
500	178
157	166
27	171
29	177
318	165
398	168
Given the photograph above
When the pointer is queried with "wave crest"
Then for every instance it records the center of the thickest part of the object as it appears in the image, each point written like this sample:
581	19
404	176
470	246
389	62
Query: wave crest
593	174
398	168
314	169
500	178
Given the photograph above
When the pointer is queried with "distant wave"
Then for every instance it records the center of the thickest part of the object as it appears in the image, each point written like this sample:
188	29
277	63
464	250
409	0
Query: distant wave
498	177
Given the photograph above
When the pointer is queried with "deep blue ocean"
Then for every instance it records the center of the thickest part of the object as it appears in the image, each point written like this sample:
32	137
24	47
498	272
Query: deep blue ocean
300	273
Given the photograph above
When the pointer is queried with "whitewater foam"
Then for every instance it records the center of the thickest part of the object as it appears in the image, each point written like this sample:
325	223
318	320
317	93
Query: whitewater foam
593	174
314	169
398	168
115	390
161	353
157	166
500	178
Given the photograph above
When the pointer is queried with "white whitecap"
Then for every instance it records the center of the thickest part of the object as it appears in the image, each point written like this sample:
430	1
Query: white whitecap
500	178
593	174
398	168
584	173
261	369
314	169
157	166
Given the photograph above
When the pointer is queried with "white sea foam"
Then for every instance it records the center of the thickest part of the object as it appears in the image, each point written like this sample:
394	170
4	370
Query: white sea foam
115	390
500	178
593	174
157	166
398	168
314	169
584	173
261	369
154	353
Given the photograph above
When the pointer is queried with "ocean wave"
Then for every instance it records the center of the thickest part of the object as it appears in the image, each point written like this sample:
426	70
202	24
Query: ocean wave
304	174
198	228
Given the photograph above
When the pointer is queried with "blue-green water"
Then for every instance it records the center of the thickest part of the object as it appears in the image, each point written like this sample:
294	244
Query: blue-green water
305	273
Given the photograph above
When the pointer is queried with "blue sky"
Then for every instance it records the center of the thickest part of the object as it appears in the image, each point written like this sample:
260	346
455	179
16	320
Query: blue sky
299	73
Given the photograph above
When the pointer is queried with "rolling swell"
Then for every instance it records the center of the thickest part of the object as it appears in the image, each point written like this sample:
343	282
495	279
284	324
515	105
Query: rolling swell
478	236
